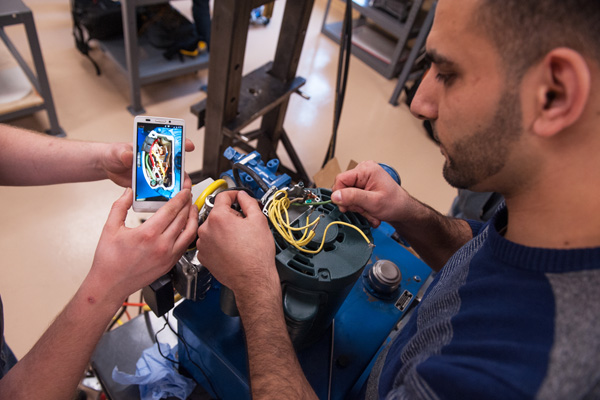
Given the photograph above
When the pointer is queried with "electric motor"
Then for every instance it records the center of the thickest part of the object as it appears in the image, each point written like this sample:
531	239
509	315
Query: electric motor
315	285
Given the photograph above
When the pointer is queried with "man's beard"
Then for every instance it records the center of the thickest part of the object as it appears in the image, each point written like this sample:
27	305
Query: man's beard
483	154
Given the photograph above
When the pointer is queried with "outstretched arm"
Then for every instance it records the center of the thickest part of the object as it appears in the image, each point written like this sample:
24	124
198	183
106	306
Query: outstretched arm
31	158
240	252
126	260
369	190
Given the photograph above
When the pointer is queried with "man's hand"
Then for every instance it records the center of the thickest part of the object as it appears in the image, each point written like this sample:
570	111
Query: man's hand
117	163
128	259
370	191
237	249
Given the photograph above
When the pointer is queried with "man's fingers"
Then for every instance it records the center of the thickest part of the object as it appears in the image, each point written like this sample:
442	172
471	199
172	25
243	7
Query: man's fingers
177	224
358	177
225	199
351	198
249	205
189	232
344	180
127	158
189	145
163	218
374	222
356	200
187	181
118	212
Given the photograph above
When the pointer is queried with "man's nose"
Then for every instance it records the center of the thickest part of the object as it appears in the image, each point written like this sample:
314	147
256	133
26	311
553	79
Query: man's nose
423	105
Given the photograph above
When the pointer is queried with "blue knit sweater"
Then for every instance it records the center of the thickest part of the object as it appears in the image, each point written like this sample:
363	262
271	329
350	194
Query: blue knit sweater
501	321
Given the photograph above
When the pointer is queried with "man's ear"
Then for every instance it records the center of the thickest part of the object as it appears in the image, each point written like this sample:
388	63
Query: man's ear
562	91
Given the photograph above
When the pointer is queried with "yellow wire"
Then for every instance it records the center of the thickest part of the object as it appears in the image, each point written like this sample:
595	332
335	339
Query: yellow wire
278	208
275	210
213	187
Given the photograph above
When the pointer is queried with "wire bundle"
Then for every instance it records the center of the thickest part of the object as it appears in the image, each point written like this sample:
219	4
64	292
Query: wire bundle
279	217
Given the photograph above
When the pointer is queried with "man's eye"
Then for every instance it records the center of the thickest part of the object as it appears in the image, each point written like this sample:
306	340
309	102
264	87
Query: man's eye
444	78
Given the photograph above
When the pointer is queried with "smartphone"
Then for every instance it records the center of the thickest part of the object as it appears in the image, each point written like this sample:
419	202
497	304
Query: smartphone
158	166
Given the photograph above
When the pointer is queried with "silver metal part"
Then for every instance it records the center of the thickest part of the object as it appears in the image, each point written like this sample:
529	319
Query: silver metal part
404	300
267	198
293	191
385	276
210	201
302	94
190	278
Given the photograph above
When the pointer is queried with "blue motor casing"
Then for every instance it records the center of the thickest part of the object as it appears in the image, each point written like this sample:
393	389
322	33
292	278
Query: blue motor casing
267	172
217	357
332	285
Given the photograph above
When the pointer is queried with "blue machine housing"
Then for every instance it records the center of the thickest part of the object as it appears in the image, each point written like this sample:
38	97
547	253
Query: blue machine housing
267	172
335	357
213	348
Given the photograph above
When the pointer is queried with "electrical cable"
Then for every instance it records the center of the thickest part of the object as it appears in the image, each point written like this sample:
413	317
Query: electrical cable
135	304
342	78
277	209
313	203
158	343
187	351
239	188
236	175
213	187
185	345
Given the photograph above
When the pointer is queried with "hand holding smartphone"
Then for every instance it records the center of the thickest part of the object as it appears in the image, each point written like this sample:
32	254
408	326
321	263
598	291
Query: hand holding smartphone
158	167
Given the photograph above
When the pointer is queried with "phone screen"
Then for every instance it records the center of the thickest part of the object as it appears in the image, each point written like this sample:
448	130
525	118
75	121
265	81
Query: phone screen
158	161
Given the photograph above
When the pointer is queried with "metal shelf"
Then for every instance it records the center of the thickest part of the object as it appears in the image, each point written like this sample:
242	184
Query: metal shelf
381	18
141	62
371	47
14	12
153	66
378	39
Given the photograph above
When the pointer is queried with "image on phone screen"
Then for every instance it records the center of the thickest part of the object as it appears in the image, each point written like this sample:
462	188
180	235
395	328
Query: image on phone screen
158	161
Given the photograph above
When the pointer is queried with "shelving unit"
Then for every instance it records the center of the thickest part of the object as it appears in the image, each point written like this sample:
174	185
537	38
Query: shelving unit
418	47
234	100
14	12
141	62
378	38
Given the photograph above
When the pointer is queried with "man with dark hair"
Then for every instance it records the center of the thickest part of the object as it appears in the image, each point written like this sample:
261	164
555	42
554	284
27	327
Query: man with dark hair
513	96
545	24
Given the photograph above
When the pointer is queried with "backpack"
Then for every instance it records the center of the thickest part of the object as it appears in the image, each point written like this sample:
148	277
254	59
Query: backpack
95	19
163	26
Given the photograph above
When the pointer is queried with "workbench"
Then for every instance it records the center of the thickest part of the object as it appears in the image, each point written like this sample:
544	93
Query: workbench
13	12
123	346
